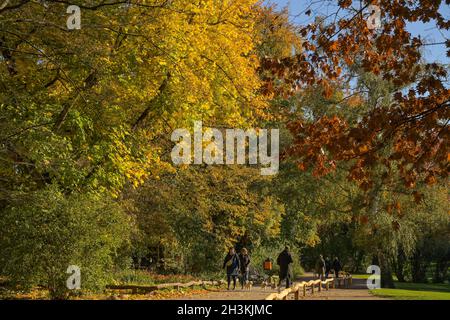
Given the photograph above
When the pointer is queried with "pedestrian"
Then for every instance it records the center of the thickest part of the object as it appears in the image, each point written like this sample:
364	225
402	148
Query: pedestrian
232	265
327	267
320	267
244	260
337	267
284	260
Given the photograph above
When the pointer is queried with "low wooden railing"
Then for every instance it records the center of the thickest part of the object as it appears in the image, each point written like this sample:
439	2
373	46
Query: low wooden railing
312	285
150	288
345	278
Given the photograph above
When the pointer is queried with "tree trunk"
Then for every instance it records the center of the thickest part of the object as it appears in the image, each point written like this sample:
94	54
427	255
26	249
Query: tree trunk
440	272
399	266
386	272
419	268
383	260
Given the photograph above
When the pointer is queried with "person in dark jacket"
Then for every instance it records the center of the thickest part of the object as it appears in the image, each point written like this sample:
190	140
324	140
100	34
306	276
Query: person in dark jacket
327	267
320	267
284	260
337	266
244	260
233	267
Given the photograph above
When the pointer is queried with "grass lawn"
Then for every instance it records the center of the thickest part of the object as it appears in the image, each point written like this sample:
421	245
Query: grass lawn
360	276
415	291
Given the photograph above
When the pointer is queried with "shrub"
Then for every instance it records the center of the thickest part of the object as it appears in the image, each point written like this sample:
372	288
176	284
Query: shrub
44	232
260	254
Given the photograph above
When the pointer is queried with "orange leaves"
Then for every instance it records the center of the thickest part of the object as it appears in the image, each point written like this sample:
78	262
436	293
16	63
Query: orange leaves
430	180
363	219
354	101
314	143
399	23
363	149
397	206
395	210
345	3
334	46
411	133
417	197
327	90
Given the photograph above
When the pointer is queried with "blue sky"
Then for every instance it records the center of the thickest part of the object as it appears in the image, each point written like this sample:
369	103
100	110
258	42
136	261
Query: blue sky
427	31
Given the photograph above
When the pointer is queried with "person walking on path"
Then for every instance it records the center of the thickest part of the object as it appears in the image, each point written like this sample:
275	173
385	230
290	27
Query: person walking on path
327	267
284	260
320	267
244	260
233	267
337	267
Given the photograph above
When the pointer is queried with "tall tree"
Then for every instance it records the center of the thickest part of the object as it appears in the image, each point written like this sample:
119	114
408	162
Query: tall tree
416	122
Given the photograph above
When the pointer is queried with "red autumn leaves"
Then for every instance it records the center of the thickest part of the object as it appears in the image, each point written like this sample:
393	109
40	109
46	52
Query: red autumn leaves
410	135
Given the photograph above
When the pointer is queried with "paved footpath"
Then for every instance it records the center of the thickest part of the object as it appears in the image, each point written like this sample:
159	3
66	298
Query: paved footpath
358	291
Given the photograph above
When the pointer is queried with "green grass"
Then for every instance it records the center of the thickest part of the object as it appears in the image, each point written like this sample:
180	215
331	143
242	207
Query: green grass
360	276
415	291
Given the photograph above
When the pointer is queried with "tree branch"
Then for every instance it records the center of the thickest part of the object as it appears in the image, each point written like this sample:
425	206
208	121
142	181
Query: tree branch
144	114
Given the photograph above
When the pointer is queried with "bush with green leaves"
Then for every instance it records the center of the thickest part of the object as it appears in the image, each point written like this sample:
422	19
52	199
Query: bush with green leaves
46	231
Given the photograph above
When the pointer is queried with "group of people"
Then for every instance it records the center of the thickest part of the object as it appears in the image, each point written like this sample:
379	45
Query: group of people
237	266
324	267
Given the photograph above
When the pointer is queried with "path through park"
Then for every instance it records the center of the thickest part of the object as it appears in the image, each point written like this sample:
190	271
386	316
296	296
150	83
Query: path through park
358	291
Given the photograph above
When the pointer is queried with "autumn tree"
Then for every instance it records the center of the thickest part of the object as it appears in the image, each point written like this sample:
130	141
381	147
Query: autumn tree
102	97
361	225
90	111
416	121
194	215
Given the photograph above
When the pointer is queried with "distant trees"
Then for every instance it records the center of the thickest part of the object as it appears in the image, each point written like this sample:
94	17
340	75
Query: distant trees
193	216
376	224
